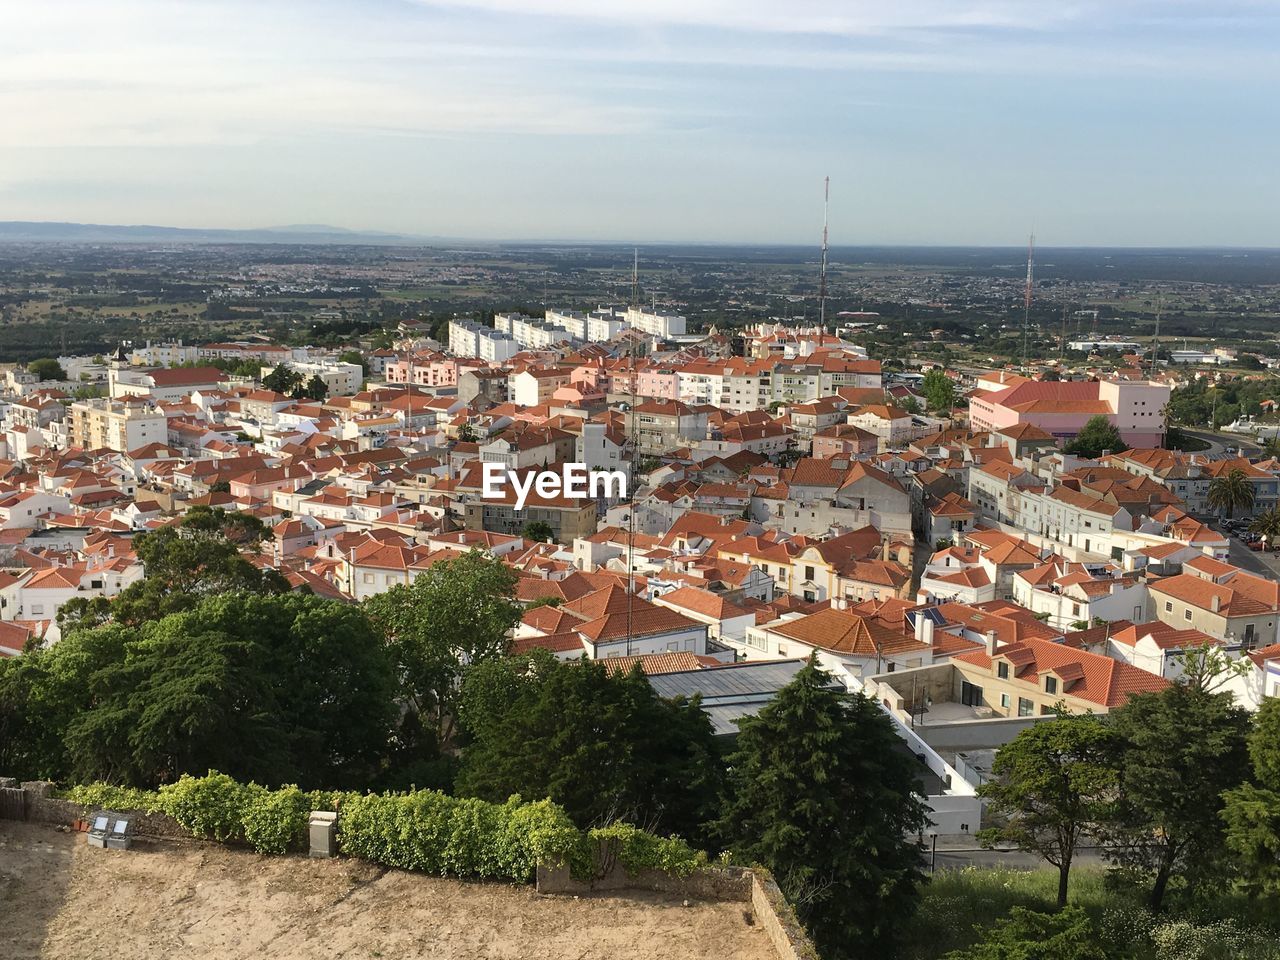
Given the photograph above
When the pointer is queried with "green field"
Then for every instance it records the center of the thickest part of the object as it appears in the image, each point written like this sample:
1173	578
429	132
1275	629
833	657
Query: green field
1226	927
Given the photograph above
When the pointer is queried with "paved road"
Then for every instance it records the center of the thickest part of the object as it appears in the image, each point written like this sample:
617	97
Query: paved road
1218	443
1255	561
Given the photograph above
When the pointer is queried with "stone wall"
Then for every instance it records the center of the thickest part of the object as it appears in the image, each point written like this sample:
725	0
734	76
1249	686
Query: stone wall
44	808
755	886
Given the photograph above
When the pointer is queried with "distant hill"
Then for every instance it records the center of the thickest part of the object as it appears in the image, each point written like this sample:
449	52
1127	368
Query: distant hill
28	231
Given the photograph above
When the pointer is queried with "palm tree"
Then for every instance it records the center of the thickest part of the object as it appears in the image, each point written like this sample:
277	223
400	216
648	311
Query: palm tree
1231	492
1268	525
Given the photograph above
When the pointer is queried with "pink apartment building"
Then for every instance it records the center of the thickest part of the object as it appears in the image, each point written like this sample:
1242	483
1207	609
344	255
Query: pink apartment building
1061	408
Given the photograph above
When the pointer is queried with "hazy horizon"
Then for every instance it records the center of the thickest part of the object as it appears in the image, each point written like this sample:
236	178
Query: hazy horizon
1132	123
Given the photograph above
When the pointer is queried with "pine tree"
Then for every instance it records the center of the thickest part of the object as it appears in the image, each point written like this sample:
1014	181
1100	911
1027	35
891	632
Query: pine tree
823	794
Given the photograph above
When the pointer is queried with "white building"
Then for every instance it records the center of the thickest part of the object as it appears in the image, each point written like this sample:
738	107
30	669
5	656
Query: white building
467	339
656	323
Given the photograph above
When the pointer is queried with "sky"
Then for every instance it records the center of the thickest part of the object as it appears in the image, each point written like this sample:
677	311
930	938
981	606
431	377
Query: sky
1091	122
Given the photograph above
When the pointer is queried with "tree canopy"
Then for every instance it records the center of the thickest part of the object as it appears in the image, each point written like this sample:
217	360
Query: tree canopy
456	612
1230	493
1182	749
939	389
199	556
538	530
605	747
46	368
278	689
823	794
1053	783
1031	935
1097	435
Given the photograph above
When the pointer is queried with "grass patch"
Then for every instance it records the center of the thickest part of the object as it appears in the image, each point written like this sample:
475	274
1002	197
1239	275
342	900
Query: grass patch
1226	927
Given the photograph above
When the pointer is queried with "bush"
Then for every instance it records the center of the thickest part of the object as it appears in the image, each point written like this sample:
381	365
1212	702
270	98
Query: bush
275	821
424	830
459	837
639	850
104	796
211	807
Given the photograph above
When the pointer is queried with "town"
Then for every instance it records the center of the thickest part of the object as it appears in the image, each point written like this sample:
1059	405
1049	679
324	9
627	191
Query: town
980	553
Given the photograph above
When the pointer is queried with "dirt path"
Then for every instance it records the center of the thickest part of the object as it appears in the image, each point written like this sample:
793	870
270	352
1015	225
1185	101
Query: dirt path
61	900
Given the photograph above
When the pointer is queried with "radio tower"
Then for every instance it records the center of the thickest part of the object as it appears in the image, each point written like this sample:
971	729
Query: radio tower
1026	299
822	284
635	278
1155	341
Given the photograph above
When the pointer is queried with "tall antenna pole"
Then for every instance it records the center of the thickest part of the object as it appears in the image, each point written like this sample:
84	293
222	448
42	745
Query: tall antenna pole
635	278
1155	341
822	286
1026	299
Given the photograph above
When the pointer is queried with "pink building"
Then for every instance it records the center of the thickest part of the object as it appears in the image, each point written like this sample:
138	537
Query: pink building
658	383
428	371
1062	408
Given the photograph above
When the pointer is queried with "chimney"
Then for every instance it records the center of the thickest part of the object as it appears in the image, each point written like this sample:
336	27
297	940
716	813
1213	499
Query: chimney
926	632
1215	603
991	643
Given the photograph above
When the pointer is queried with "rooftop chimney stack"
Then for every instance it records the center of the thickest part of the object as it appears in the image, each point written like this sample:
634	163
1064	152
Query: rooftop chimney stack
991	643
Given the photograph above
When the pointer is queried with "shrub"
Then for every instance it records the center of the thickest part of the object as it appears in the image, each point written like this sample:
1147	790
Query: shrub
104	796
424	830
460	837
275	821
211	807
639	850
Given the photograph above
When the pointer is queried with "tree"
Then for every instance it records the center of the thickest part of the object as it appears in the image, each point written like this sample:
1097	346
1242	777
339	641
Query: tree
456	612
200	556
283	379
276	689
939	389
1031	935
1252	810
910	404
1230	493
356	357
539	531
1182	749
467	433
1098	434
823	795
46	368
314	389
604	746
1054	783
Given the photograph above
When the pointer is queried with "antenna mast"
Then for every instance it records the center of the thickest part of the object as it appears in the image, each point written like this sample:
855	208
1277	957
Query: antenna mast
1026	299
1155	341
822	286
635	278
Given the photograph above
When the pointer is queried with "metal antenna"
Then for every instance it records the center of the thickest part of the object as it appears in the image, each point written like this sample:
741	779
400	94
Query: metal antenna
822	285
635	278
1026	300
1155	341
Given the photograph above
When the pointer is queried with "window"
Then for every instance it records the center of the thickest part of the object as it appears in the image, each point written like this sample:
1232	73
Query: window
1002	670
1004	700
970	694
1168	606
808	573
368	578
1025	707
1050	684
1186	615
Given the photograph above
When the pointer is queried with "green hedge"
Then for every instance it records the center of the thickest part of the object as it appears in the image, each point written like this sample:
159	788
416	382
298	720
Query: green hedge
424	830
215	807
